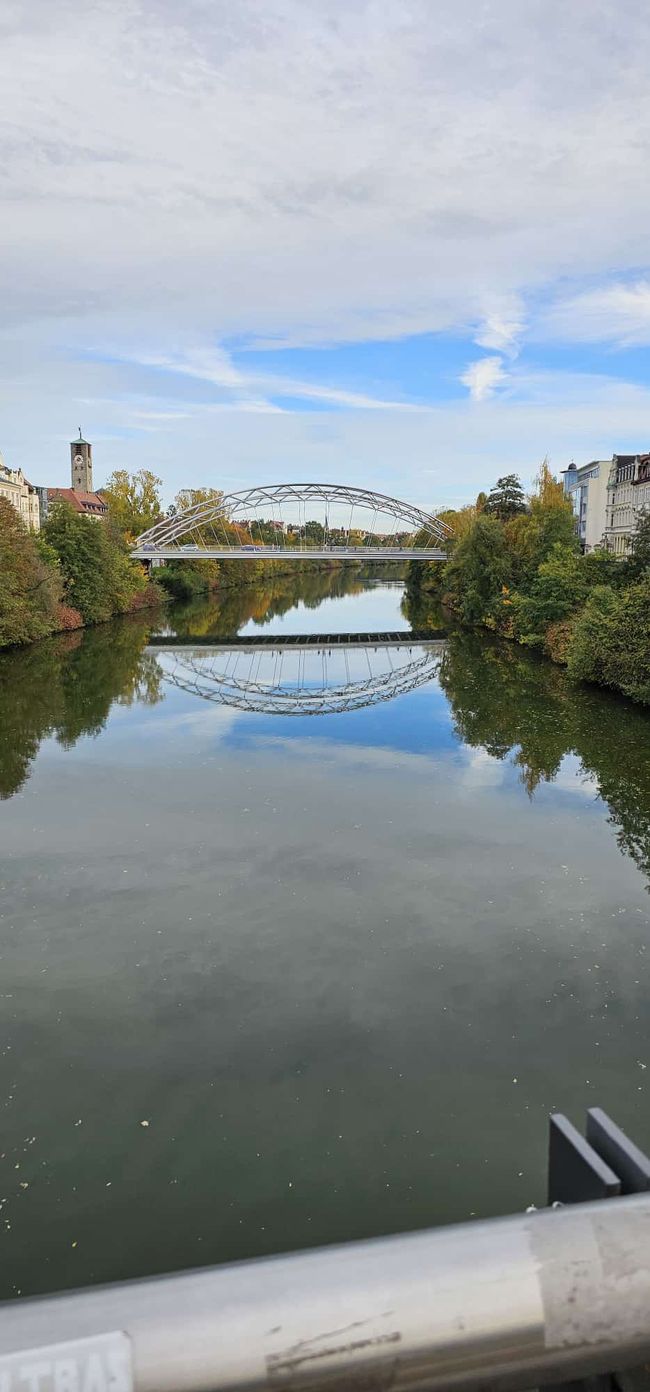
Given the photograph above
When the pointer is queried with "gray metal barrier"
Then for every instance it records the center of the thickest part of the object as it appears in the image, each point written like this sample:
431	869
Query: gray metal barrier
558	1294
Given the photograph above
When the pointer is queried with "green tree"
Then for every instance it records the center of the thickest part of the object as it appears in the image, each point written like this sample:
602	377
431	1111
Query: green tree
98	576
557	590
506	498
637	561
30	587
479	570
133	500
601	567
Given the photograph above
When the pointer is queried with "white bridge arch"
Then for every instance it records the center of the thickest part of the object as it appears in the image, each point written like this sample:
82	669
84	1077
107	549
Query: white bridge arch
215	529
315	679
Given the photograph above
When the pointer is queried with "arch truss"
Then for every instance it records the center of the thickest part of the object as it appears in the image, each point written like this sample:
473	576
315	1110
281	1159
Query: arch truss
315	681
309	520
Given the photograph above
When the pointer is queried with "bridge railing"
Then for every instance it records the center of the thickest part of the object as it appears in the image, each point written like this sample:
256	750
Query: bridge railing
506	1303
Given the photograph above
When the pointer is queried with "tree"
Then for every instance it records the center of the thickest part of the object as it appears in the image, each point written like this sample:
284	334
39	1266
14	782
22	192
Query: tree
30	588
99	577
506	498
479	570
133	501
548	491
556	591
549	521
638	559
193	497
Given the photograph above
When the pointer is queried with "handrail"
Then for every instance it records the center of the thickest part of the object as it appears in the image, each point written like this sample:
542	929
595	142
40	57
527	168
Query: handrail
509	1302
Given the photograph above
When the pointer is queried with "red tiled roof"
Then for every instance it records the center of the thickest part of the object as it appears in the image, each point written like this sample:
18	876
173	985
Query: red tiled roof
81	502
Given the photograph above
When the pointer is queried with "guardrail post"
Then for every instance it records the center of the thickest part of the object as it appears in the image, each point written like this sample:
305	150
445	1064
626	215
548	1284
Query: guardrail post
603	1165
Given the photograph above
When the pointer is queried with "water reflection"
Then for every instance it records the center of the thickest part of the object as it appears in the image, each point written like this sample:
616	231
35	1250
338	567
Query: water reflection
232	611
502	699
314	680
65	688
518	707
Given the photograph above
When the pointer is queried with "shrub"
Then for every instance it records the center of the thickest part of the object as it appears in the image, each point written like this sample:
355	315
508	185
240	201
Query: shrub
182	581
30	587
67	618
611	640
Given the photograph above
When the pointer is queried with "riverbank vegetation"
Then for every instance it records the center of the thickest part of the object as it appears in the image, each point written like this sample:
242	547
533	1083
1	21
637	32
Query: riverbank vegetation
515	567
76	571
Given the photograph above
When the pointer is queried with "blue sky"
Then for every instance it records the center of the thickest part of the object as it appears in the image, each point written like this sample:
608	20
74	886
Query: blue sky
402	245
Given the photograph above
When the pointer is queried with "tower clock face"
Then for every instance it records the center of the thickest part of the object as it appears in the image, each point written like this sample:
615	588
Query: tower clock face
78	459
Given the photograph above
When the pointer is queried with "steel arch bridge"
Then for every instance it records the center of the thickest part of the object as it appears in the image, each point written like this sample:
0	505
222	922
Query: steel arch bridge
225	528
308	681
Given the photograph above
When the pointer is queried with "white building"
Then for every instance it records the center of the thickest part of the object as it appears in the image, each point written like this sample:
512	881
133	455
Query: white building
22	494
587	486
628	493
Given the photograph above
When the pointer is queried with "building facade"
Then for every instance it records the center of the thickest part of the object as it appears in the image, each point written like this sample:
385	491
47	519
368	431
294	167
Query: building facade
22	495
628	494
587	487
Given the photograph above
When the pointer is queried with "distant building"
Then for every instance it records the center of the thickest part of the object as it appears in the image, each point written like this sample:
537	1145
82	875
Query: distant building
586	485
22	494
628	493
43	503
80	496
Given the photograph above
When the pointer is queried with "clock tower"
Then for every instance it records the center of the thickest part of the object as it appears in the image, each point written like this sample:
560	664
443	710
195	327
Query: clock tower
81	459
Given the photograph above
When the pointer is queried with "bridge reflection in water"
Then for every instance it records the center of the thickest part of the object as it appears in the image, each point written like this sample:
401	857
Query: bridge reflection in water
314	675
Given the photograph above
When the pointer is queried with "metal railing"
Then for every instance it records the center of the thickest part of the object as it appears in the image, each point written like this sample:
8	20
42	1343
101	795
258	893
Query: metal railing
509	1302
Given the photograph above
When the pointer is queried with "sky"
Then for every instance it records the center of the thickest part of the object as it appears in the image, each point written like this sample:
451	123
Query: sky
391	243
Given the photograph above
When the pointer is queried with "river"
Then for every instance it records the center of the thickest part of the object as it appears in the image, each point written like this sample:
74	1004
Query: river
302	946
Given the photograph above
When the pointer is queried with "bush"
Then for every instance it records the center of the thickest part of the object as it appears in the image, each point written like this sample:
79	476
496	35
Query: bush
611	640
182	581
148	598
558	640
30	587
67	618
557	589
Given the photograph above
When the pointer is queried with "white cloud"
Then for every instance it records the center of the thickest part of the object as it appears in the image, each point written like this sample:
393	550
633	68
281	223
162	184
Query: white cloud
214	365
300	171
502	328
618	314
483	377
309	170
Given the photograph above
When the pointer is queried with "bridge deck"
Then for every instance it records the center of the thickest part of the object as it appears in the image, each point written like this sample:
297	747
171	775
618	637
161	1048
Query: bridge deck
286	553
401	638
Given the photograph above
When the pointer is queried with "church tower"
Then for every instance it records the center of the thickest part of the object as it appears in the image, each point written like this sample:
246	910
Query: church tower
81	460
